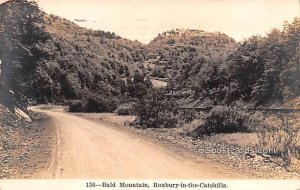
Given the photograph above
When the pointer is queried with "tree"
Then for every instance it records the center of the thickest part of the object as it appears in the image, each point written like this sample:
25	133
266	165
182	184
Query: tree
156	110
20	31
245	67
138	86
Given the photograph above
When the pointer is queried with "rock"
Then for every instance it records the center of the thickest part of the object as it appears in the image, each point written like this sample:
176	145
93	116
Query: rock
257	159
266	156
22	114
250	155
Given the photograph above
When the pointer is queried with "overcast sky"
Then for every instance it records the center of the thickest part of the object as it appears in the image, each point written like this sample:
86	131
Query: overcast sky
144	19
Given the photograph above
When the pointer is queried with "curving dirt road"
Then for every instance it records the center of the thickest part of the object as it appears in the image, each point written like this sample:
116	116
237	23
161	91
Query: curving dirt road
88	149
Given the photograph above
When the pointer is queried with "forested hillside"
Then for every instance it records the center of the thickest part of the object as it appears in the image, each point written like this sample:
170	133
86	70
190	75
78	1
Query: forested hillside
260	71
49	59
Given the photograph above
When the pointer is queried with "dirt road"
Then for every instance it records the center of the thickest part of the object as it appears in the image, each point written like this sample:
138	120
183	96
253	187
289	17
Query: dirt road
88	149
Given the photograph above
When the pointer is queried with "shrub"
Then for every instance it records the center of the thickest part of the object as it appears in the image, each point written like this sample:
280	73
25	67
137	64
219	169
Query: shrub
282	135
100	104
157	111
93	103
125	109
223	119
158	72
76	106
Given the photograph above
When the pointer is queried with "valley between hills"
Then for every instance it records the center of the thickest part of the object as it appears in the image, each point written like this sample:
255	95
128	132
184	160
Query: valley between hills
81	103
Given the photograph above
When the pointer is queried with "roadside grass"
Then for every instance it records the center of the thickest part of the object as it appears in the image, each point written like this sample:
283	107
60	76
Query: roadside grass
280	134
283	134
124	120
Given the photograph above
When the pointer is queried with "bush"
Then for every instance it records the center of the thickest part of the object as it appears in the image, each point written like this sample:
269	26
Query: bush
282	135
100	104
223	119
158	72
157	111
93	103
125	109
76	106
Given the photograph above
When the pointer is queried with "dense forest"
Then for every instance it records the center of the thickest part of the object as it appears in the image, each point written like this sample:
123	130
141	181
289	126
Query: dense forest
216	70
260	71
49	59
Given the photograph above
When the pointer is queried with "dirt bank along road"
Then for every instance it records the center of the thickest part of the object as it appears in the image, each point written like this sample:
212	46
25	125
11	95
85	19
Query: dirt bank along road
88	149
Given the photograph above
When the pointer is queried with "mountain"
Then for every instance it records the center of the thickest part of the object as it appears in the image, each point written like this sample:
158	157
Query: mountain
205	69
196	40
258	71
174	49
46	58
49	59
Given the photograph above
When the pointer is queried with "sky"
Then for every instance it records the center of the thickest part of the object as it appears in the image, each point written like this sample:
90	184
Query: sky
142	20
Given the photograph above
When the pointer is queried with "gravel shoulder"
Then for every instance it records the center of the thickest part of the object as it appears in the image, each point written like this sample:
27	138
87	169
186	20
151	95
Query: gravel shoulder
25	147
